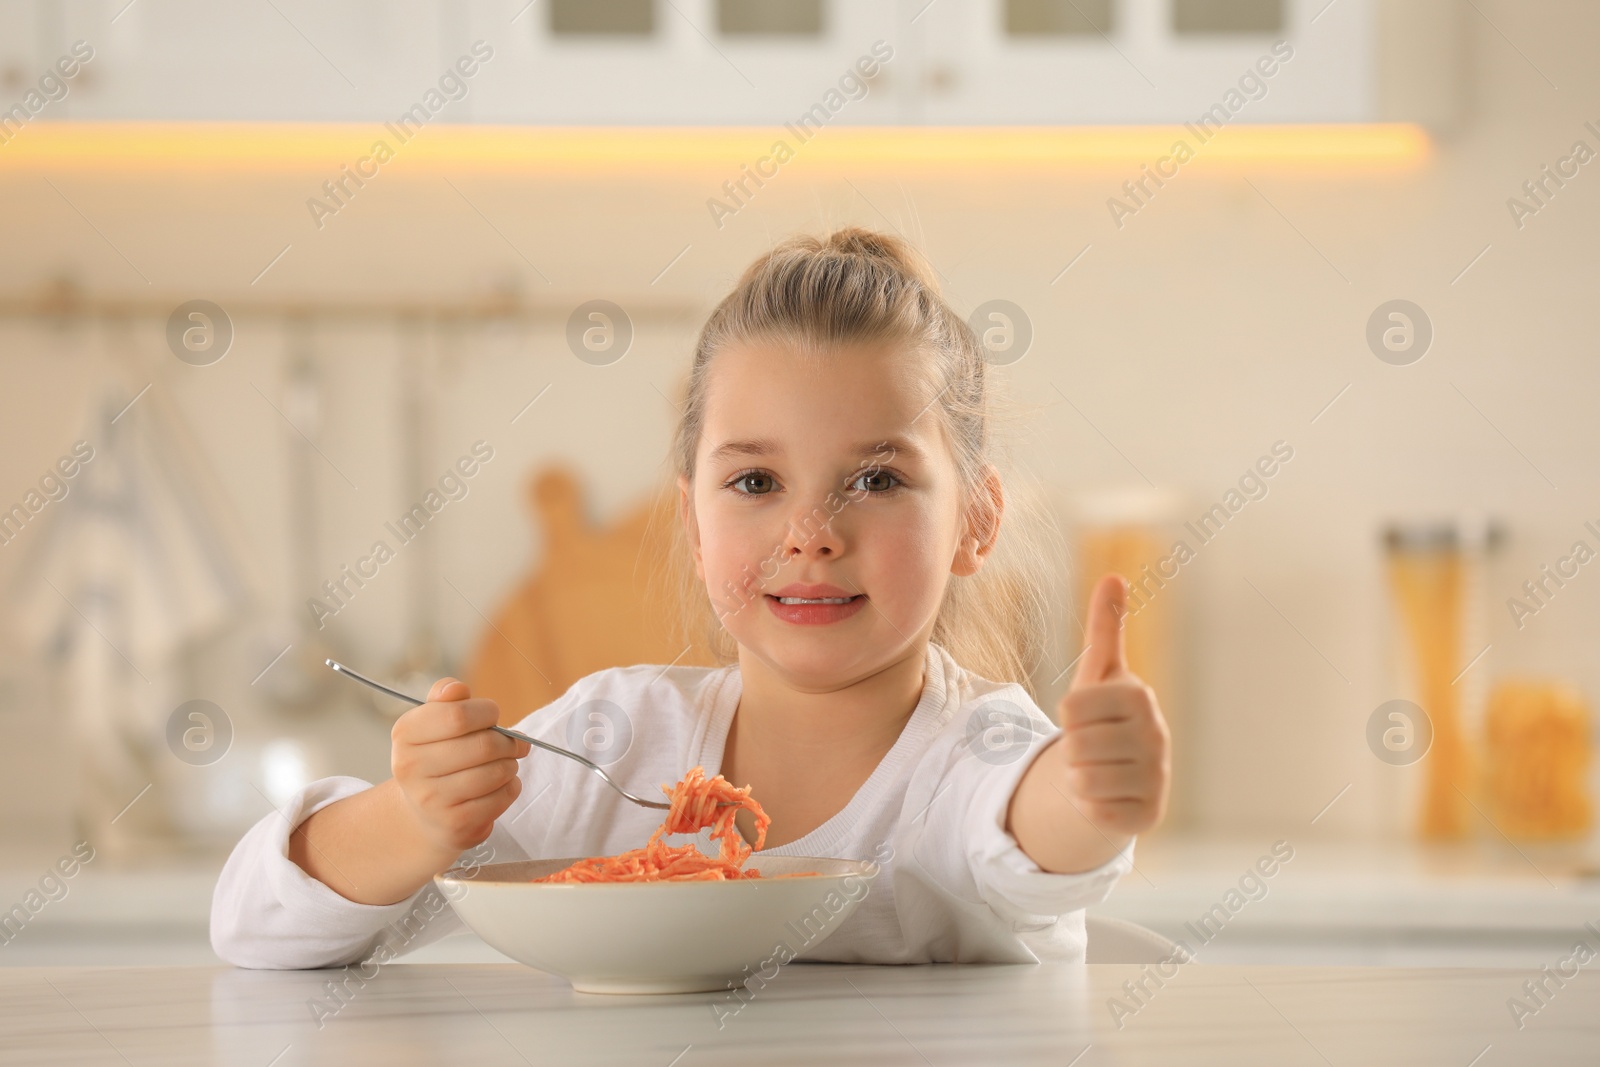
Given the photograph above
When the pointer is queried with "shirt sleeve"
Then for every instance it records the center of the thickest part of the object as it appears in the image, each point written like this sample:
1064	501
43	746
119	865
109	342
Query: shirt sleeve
1006	878
267	912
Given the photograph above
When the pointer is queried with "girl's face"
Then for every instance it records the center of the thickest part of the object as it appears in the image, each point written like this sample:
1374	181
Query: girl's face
826	478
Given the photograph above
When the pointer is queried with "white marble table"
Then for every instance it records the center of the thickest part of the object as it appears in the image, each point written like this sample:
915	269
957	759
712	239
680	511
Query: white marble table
810	1014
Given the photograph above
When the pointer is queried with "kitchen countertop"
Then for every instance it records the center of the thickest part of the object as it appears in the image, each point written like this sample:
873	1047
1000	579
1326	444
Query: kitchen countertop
1448	884
1484	903
808	1014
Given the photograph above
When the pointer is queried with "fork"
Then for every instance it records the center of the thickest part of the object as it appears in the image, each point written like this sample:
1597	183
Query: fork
340	668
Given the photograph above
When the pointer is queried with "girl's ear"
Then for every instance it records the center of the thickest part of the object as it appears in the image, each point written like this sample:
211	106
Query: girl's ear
691	527
982	524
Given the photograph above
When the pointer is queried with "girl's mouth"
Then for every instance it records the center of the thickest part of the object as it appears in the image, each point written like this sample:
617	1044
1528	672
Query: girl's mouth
812	611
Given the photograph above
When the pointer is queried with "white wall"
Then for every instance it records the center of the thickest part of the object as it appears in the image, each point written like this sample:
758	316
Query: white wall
1212	324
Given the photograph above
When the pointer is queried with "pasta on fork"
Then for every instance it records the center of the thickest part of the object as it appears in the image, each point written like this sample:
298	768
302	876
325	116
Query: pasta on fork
693	806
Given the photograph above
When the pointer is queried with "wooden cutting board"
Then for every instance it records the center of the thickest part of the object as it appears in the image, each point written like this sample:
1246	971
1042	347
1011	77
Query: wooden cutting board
589	603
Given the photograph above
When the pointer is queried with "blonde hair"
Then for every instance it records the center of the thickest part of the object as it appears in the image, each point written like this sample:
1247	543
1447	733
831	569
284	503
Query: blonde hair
854	286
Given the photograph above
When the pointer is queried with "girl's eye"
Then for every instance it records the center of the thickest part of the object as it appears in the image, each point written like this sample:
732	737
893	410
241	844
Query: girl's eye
759	477
880	479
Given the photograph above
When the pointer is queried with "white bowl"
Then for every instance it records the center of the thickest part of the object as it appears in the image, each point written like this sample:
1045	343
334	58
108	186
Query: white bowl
656	937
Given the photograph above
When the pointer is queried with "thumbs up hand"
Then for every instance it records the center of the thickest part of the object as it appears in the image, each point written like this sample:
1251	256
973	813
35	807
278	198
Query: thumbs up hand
1114	744
1104	777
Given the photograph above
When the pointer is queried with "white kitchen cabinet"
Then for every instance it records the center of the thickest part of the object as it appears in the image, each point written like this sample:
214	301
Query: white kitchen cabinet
982	62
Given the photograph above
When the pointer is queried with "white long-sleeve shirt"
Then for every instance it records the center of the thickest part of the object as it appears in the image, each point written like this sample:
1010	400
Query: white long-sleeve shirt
953	885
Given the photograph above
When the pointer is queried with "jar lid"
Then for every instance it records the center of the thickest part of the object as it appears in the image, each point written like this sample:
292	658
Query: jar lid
1450	534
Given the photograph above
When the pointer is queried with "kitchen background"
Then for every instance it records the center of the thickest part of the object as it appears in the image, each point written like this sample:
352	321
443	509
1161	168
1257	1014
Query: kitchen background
241	343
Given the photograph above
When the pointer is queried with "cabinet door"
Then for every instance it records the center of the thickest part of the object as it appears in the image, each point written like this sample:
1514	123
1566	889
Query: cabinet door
1147	61
694	62
20	66
291	60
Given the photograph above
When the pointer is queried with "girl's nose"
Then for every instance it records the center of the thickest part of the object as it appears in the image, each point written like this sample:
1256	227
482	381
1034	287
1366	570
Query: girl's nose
813	532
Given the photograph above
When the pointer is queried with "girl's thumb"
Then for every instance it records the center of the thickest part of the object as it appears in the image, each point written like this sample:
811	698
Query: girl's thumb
1107	655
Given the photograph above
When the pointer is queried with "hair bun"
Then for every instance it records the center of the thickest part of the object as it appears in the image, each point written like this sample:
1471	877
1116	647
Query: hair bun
856	240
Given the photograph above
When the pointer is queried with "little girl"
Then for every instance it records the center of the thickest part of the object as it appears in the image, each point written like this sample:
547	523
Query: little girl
838	503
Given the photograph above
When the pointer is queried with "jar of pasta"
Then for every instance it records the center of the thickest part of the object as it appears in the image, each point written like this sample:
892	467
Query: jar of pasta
1437	575
1536	754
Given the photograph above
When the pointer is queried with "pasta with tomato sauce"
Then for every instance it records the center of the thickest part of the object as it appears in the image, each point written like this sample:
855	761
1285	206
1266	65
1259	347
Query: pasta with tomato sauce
692	806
